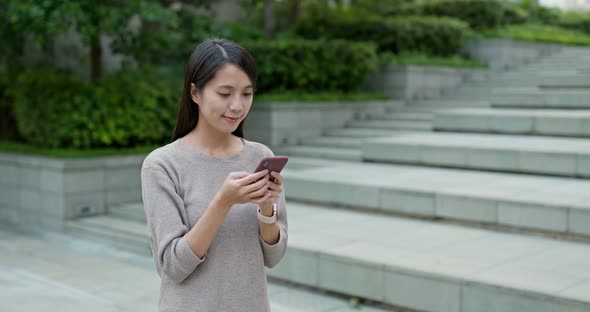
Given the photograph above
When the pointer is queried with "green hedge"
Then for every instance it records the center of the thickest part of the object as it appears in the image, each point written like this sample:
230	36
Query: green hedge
576	21
427	60
128	109
480	14
541	33
305	65
11	146
430	35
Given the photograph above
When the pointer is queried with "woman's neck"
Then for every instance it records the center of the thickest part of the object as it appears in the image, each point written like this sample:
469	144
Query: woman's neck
211	142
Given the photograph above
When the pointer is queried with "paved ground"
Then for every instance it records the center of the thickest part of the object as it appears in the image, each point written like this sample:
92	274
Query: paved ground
58	273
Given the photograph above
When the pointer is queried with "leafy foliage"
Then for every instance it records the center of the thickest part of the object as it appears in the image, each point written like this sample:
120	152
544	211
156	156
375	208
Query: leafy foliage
427	60
543	33
312	65
430	35
131	108
479	14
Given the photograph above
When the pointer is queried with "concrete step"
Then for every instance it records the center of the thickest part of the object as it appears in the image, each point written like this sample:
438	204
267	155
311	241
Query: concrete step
129	212
387	259
575	123
360	133
543	99
554	65
486	91
559	64
454	268
443	103
337	142
522	73
536	76
523	203
287	297
462	98
531	82
401	115
392	124
521	154
350	154
119	233
70	274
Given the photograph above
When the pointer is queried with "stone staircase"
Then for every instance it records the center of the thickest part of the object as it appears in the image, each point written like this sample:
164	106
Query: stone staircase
477	201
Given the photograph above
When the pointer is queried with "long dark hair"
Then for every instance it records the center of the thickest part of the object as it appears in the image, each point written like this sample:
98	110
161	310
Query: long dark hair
207	58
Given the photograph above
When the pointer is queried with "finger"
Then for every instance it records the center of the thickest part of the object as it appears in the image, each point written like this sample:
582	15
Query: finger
275	187
275	194
262	200
253	177
260	192
256	186
276	177
238	175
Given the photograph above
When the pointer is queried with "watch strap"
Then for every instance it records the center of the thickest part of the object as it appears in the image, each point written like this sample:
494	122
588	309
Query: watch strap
268	220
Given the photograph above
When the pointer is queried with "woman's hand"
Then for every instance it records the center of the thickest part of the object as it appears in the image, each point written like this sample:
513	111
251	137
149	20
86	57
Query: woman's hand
272	194
242	187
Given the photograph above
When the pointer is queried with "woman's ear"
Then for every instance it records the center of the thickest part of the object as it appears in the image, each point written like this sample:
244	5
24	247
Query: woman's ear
194	93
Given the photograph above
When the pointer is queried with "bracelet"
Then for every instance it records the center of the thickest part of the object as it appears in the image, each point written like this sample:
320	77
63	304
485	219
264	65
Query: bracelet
268	220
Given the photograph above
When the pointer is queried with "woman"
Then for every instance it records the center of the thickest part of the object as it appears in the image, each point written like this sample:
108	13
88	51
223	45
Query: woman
212	225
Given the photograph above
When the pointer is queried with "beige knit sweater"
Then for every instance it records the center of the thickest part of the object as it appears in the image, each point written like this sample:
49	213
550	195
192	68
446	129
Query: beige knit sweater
178	183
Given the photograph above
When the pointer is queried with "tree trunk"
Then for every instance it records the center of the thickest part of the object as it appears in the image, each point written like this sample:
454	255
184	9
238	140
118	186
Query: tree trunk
269	20
294	11
95	58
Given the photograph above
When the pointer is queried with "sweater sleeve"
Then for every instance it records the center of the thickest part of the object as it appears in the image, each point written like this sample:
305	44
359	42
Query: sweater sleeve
274	253
163	209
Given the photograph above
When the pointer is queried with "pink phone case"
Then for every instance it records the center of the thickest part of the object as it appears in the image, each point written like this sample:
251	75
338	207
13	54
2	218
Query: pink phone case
276	163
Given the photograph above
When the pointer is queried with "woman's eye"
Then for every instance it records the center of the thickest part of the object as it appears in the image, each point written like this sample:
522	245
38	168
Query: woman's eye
247	94
224	94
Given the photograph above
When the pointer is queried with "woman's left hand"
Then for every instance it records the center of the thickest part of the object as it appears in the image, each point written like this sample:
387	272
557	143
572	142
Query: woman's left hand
274	190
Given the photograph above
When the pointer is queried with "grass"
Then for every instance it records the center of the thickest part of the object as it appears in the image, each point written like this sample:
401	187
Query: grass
17	147
427	60
541	33
334	97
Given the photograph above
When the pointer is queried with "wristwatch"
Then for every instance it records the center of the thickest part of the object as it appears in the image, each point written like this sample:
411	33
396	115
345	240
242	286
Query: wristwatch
268	220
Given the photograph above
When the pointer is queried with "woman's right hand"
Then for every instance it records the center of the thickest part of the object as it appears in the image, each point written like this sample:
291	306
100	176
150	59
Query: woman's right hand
242	187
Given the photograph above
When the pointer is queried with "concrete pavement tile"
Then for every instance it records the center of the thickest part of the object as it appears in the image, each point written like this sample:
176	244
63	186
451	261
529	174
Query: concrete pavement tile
422	292
579	291
579	219
533	216
495	247
565	258
298	265
530	279
493	299
297	300
427	238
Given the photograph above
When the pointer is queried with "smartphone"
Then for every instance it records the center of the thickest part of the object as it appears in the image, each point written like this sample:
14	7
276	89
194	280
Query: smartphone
276	163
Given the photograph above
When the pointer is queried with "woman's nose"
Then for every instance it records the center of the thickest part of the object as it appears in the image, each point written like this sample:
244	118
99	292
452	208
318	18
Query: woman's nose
236	105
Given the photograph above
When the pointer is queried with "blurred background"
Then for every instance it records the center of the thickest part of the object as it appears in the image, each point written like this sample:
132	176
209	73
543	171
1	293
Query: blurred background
439	153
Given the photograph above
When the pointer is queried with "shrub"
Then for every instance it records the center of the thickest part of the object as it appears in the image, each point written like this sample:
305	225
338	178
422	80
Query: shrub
307	65
430	35
479	14
576	21
55	109
543	33
426	60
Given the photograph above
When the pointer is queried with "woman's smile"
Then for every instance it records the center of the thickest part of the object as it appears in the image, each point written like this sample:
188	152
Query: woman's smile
231	119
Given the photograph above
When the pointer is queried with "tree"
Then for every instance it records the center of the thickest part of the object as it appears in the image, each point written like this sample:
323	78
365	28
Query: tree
269	19
44	20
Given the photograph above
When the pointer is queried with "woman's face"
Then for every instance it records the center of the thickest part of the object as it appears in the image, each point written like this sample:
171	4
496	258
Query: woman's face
225	100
